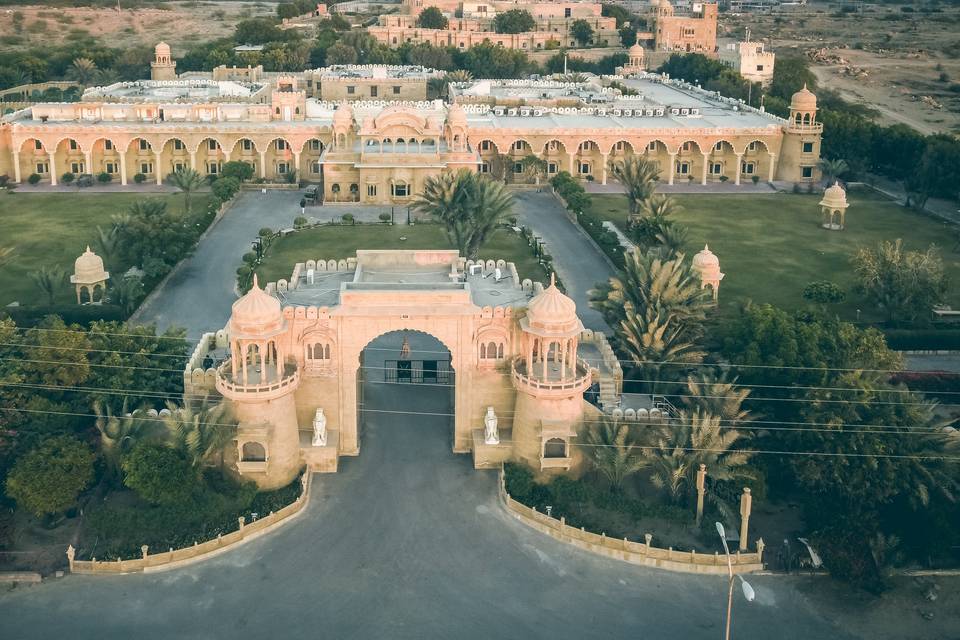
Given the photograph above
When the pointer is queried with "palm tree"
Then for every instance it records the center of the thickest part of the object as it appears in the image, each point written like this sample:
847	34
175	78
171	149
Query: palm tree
714	394
119	434
49	280
613	451
106	242
492	203
441	86
659	207
639	176
652	342
188	181
832	169
83	70
672	238
6	255
681	446
126	293
201	434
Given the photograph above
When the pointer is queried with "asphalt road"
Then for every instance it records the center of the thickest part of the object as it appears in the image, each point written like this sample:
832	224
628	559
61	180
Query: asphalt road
199	294
406	541
580	264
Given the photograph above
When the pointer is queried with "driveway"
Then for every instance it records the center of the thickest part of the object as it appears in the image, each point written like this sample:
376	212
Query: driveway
578	262
407	541
199	294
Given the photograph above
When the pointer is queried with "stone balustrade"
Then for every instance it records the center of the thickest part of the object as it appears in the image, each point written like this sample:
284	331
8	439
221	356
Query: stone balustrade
266	390
549	388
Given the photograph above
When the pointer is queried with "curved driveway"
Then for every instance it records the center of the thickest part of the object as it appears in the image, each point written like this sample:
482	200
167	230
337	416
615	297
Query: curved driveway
407	541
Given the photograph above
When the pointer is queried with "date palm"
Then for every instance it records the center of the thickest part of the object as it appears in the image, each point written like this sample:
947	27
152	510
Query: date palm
83	70
187	181
672	238
6	255
639	176
119	434
50	280
656	346
832	169
200	434
613	451
715	394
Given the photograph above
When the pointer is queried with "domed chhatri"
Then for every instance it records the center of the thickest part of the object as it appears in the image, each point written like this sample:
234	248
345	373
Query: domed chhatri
707	265
343	115
89	277
456	116
257	312
551	312
833	206
803	100
162	48
163	66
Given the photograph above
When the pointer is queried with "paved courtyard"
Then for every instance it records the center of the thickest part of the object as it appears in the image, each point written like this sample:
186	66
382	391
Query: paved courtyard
407	541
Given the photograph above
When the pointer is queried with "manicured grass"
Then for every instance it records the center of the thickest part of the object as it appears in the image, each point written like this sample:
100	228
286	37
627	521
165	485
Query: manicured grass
336	242
54	229
771	246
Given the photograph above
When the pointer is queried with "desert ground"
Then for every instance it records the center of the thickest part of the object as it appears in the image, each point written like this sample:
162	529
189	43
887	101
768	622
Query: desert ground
180	24
893	58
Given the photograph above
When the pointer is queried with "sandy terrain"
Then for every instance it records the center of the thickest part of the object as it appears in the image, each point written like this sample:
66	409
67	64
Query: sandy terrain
179	24
904	65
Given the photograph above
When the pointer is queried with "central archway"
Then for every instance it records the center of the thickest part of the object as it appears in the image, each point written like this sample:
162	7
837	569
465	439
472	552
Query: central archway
406	381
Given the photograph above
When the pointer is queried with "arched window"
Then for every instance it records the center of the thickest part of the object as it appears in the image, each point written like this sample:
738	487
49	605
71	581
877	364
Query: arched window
318	351
555	448
254	452
335	188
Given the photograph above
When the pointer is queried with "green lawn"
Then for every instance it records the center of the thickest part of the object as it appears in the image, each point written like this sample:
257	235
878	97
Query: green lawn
54	229
336	242
771	246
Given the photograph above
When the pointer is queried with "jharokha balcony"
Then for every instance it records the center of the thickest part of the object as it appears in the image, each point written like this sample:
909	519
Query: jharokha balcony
550	378
262	382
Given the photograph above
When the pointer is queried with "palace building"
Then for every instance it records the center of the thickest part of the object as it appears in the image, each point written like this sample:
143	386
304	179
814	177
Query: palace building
377	150
294	358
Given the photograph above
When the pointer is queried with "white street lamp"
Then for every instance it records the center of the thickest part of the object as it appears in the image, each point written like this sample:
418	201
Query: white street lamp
748	591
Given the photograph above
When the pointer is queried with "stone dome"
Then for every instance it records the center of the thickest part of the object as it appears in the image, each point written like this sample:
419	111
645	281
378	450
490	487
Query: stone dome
456	116
664	6
552	312
834	197
88	269
803	100
162	49
636	51
343	117
257	312
705	260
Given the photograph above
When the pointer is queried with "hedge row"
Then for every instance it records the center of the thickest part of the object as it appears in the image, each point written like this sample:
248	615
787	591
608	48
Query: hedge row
923	339
29	315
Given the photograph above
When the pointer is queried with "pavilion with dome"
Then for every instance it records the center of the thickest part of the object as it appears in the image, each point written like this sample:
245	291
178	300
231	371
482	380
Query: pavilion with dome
89	278
293	350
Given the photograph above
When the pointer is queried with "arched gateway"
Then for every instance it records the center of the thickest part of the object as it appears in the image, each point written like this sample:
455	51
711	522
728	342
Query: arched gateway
296	347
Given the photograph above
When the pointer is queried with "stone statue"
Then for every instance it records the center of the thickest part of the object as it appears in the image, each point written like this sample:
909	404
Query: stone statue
490	435
320	429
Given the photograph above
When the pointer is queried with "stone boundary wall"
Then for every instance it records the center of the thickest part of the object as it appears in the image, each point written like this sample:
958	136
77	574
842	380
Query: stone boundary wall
175	558
633	552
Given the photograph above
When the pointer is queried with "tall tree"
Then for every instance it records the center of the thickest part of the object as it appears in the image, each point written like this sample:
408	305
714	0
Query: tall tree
48	479
200	435
432	18
187	181
613	451
50	280
514	21
582	32
905	284
83	70
639	176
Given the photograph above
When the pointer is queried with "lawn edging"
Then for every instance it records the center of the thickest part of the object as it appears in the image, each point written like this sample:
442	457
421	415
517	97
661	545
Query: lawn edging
639	553
175	558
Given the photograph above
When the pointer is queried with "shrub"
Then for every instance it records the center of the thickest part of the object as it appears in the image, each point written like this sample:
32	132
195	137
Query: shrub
756	179
86	180
923	339
29	315
48	479
67	178
139	178
250	257
347	218
225	188
159	474
34	178
384	217
265	232
104	177
299	222
4	180
724	178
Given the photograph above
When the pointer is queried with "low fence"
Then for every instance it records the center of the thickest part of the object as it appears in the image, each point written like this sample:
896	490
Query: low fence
642	553
199	551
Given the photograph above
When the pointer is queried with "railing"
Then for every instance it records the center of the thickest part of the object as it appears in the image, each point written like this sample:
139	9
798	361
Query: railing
291	376
579	382
816	127
643	553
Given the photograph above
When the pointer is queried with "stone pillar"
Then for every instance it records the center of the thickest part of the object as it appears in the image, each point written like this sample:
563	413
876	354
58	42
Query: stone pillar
193	160
570	164
16	167
123	167
772	171
739	162
226	156
296	163
157	170
88	162
263	164
603	170
746	501
53	168
706	166
673	167
701	490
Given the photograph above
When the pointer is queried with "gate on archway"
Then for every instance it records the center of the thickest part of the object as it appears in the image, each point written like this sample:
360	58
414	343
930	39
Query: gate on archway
418	371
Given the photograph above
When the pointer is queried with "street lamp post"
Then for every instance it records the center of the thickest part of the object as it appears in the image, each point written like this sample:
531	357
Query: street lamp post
748	592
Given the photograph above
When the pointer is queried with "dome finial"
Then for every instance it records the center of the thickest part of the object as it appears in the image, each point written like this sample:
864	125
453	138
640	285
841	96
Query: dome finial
553	278
706	247
256	285
88	249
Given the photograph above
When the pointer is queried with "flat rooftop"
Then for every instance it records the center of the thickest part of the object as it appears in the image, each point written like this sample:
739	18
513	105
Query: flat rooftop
401	271
192	90
376	71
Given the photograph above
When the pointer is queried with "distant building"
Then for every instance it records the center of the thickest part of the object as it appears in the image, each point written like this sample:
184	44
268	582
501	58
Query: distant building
695	32
750	60
371	82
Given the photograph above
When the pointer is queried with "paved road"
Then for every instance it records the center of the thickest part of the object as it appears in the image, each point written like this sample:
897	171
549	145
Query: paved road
579	263
198	296
933	362
407	541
